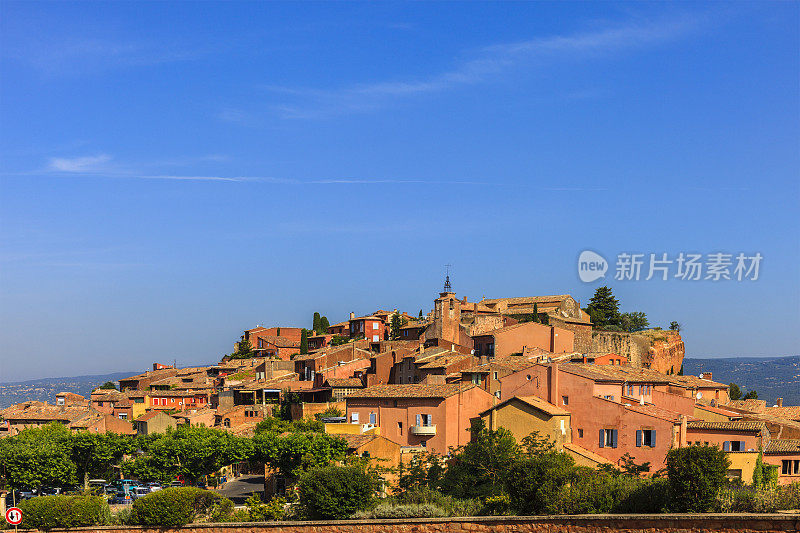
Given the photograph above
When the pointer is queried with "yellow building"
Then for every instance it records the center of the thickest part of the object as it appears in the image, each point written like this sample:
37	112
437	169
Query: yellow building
522	415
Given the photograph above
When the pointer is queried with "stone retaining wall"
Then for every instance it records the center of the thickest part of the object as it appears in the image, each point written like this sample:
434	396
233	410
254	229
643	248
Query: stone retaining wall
700	523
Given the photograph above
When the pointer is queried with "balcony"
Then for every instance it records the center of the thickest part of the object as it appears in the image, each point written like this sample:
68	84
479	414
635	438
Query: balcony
423	431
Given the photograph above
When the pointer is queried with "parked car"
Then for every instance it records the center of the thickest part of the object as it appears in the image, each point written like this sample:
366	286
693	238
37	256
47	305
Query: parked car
51	491
176	483
154	486
121	497
27	494
138	492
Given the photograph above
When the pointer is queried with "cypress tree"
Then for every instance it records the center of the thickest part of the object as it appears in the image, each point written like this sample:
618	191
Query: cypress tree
304	341
324	325
535	312
315	325
420	314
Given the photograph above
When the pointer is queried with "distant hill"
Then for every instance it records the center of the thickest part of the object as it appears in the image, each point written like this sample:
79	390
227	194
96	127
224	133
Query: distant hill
771	377
45	390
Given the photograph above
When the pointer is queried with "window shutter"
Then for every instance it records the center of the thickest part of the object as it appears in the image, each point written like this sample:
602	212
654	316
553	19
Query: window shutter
419	420
726	446
430	420
653	438
638	438
613	438
602	439
742	446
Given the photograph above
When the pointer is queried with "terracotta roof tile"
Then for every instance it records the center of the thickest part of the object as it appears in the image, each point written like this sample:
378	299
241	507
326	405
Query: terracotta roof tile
783	446
410	391
734	425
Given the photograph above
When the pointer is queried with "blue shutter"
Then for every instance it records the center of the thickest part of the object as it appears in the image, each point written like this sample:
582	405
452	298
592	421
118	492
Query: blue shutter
726	446
638	438
653	438
742	446
613	438
419	420
602	439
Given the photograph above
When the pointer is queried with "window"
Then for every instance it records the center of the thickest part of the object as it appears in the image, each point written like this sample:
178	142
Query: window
123	416
227	422
733	446
373	419
400	427
490	348
376	338
645	390
646	438
476	379
497	394
59	401
565	400
100	404
374	325
424	420
495	376
790	467
608	438
580	433
630	389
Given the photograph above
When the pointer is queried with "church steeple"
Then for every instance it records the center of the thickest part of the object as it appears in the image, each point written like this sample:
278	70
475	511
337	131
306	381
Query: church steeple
447	287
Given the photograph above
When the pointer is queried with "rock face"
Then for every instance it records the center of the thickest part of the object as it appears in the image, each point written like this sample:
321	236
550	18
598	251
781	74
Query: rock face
658	350
666	355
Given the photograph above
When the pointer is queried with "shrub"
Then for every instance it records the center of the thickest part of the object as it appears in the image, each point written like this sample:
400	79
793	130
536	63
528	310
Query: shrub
534	484
696	473
336	492
257	511
423	510
173	507
452	506
750	499
48	512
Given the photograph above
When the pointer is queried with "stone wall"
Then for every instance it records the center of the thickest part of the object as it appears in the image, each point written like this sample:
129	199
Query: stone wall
700	523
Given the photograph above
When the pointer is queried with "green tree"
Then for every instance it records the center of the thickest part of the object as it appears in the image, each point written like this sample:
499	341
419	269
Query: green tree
395	324
695	474
244	350
420	314
635	321
94	454
304	341
674	326
680	372
38	457
734	392
189	451
336	492
315	323
603	308
751	395
477	469
298	452
535	312
324	325
108	385
534	483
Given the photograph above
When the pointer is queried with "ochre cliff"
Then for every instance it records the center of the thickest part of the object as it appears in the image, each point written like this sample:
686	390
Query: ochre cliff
665	353
657	349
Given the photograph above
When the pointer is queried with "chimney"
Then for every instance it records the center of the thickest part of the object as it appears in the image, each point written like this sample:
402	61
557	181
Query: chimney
780	402
706	375
352	315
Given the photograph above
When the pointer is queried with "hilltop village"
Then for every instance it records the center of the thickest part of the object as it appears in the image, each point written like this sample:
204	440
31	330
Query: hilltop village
394	385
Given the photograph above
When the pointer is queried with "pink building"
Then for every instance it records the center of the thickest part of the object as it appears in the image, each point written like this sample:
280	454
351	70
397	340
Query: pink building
432	416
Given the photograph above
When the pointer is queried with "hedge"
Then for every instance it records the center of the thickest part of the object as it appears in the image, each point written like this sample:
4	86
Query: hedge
336	492
173	507
48	512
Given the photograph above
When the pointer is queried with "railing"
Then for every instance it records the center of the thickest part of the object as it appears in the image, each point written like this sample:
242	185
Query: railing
423	430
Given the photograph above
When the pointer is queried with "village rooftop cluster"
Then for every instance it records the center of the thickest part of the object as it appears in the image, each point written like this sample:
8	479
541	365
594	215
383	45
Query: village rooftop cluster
394	385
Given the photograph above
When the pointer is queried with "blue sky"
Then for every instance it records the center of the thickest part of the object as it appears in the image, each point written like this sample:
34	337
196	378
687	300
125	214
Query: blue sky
172	174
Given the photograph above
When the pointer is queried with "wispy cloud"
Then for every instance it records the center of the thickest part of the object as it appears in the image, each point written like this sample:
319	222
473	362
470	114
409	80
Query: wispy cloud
92	163
488	64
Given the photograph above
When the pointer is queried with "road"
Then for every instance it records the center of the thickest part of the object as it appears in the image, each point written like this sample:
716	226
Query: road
239	489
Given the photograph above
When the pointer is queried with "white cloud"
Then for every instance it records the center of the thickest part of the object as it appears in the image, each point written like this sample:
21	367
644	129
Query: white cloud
85	164
488	64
